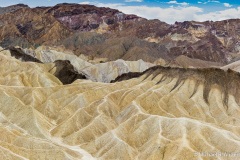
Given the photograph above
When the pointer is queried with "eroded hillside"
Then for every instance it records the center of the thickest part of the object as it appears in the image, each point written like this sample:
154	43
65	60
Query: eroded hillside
162	113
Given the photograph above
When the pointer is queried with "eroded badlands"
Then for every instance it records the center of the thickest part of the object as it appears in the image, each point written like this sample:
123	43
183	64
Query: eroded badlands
163	113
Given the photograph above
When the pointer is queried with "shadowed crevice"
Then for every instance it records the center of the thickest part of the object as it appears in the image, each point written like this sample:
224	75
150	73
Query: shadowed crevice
65	72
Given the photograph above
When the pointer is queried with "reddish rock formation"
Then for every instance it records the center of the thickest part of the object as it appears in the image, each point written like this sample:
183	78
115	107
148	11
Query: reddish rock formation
100	32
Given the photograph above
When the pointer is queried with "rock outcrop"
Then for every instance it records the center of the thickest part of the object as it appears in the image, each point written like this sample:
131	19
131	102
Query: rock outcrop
106	72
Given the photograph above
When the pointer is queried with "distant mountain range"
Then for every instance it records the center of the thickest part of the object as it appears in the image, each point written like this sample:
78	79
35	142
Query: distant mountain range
107	34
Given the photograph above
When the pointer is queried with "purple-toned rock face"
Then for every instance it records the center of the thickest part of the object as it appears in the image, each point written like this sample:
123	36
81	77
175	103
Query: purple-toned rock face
81	22
88	17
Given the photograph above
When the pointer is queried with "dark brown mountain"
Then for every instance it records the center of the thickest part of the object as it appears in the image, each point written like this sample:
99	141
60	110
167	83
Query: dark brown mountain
99	32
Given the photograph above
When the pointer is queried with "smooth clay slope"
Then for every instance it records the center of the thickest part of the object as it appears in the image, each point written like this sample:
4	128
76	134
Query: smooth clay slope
163	113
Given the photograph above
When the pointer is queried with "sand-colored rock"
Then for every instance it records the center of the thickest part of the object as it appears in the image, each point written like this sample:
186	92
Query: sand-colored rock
48	55
99	72
106	72
16	73
163	113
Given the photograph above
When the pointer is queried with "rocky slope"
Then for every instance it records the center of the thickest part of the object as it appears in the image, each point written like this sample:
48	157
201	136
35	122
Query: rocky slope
162	113
103	71
62	69
104	33
68	67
